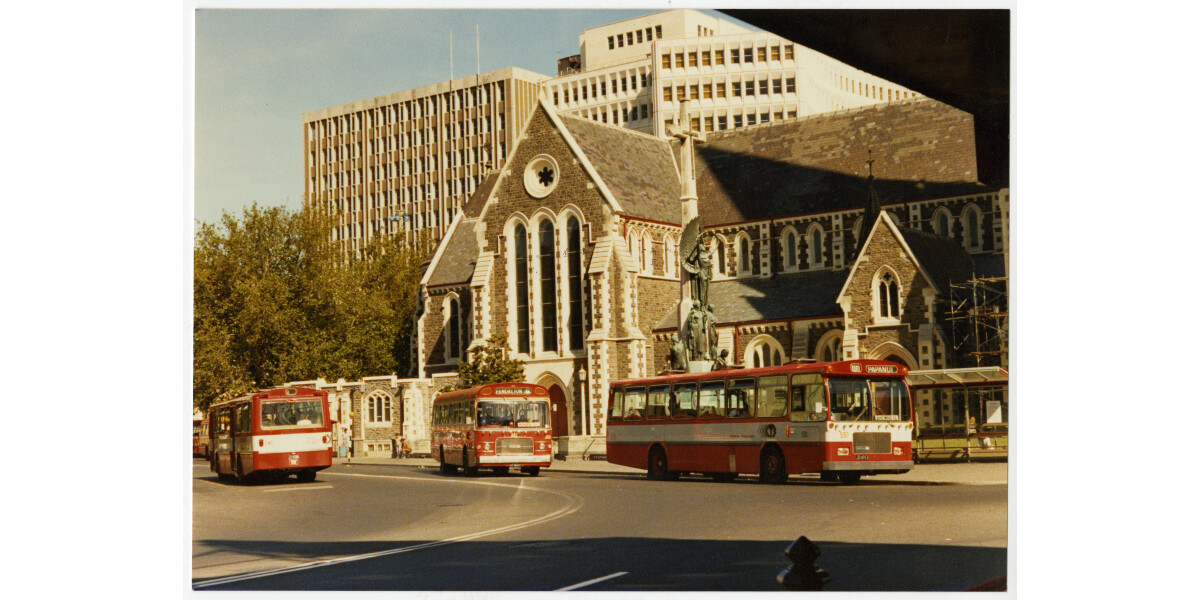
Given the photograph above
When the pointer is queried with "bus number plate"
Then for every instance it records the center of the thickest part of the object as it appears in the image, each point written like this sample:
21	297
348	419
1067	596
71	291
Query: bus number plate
860	457
294	458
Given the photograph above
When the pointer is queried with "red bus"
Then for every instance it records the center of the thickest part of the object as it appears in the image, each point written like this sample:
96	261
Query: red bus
275	433
840	419
497	426
200	437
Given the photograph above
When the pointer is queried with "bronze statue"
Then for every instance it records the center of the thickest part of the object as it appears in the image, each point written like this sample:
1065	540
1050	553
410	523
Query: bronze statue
678	354
698	346
697	260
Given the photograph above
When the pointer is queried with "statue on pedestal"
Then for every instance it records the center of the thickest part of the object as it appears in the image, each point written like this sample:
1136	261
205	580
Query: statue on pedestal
678	354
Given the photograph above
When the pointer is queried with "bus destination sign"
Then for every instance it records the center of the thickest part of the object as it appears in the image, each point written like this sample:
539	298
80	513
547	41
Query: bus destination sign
513	391
881	368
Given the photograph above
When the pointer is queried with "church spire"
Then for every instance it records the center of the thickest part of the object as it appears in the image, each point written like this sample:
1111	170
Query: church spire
872	210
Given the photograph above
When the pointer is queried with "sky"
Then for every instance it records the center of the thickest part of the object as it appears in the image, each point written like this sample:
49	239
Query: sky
258	71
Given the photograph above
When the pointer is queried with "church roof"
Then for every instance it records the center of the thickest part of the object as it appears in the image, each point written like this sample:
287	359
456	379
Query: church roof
943	259
784	296
638	169
474	205
923	149
457	261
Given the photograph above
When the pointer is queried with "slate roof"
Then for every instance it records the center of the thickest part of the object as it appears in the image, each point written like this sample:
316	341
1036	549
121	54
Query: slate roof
638	169
944	259
922	148
473	207
784	296
457	262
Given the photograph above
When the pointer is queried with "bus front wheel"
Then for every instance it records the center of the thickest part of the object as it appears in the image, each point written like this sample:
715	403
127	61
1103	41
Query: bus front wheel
657	466
771	467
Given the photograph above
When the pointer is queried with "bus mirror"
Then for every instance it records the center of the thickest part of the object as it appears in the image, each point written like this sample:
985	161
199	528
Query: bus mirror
803	575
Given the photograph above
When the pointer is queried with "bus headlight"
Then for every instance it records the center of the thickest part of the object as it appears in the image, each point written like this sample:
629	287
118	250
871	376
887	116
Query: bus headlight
843	452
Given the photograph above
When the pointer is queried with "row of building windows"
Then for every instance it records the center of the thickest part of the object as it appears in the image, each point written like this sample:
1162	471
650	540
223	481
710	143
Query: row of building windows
599	89
538	272
716	56
405	111
641	35
708	90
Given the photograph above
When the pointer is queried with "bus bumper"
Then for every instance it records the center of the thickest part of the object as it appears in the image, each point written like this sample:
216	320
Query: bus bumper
869	466
514	460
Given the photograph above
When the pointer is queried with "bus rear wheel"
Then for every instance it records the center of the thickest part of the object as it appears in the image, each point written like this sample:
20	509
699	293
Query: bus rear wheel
771	468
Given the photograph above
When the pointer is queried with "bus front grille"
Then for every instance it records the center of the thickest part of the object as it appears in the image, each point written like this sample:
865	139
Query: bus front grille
873	443
514	445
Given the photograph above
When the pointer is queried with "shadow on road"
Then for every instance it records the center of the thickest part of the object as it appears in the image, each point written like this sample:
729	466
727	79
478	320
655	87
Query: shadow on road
651	564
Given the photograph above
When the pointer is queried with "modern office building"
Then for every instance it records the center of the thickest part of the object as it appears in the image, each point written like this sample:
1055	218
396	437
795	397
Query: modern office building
405	162
633	73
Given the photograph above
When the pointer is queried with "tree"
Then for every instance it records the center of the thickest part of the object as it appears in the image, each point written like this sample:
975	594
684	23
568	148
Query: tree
489	363
275	300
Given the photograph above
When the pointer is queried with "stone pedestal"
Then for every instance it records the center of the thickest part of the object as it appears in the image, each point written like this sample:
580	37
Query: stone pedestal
700	366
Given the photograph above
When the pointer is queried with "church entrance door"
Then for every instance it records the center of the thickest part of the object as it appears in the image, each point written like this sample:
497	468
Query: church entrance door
558	411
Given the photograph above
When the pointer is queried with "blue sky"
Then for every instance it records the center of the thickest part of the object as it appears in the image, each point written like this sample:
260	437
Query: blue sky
258	71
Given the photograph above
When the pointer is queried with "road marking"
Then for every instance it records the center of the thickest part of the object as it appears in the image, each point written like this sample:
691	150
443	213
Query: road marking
575	503
591	581
299	489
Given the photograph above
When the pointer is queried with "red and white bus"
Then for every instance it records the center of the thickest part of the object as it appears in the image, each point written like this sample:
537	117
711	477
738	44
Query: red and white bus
840	419
275	432
496	426
200	437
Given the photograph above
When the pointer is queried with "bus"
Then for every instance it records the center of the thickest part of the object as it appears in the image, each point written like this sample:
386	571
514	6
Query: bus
273	433
200	438
496	426
841	419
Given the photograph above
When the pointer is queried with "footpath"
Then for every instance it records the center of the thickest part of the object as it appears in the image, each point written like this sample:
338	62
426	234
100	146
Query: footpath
972	473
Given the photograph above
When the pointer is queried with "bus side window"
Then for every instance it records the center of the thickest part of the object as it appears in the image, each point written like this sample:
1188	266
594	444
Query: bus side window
635	402
808	397
614	402
684	398
772	396
712	399
656	405
741	398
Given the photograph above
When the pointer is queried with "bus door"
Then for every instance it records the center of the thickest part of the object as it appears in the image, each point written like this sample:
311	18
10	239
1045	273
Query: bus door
805	432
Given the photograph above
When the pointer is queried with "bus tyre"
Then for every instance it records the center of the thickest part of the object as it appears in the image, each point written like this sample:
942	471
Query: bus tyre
849	478
306	475
770	466
656	467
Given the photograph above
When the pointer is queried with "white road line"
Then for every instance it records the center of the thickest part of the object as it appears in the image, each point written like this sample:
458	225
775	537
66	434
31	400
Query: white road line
575	503
591	581
299	489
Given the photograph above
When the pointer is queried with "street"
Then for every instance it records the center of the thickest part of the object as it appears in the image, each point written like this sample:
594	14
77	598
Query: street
382	527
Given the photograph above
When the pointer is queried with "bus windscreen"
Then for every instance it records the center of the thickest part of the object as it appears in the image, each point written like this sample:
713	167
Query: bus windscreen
861	399
518	413
291	413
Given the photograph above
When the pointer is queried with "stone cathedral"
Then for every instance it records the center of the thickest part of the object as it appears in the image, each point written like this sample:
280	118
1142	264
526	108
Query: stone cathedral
834	236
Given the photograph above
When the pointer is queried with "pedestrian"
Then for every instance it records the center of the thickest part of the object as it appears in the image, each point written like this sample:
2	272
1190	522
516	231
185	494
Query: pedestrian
396	446
405	449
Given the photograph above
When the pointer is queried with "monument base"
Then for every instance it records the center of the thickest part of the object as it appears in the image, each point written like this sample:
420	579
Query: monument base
700	366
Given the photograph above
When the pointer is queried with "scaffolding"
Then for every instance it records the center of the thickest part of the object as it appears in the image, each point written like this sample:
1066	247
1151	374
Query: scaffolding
978	318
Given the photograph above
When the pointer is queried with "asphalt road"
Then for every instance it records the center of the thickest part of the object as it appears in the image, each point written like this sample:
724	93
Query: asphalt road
365	527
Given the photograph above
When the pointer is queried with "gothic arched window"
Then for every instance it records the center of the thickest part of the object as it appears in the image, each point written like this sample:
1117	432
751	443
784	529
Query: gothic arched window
548	289
453	334
574	283
521	266
888	296
816	254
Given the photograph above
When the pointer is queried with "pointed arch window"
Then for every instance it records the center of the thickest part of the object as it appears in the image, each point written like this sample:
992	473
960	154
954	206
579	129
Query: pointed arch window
888	296
764	352
379	408
743	256
720	254
816	253
971	234
941	222
575	283
669	256
647	257
521	266
790	252
453	332
548	288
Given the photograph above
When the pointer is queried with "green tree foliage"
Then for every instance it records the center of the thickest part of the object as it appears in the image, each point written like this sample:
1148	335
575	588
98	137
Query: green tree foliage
274	300
489	363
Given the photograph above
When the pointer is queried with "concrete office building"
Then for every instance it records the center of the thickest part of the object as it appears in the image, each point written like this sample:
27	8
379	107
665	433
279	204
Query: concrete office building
633	73
405	162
